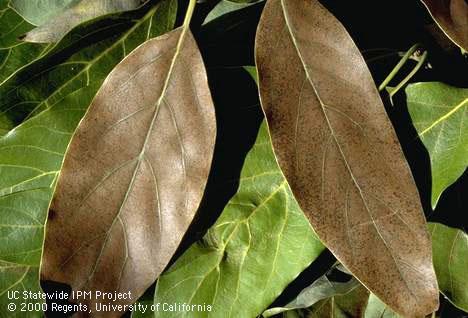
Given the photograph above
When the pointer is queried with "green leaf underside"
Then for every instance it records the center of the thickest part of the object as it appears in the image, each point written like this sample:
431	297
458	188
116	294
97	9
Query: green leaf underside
227	6
321	289
330	299
259	244
71	15
450	254
439	114
39	12
350	304
83	58
377	309
14	54
31	154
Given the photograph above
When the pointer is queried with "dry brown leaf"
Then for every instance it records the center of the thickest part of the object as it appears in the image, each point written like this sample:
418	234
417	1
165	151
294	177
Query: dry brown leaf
135	172
452	18
340	154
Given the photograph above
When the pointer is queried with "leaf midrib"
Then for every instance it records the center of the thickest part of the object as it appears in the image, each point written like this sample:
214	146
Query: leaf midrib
444	117
322	104
141	155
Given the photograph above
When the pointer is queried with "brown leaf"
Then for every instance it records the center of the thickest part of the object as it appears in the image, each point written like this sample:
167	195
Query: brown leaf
135	172
452	18
340	154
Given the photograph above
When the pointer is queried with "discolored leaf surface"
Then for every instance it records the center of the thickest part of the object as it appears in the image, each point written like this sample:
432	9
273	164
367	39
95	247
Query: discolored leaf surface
14	54
57	25
340	154
134	173
450	249
31	154
438	112
452	18
258	245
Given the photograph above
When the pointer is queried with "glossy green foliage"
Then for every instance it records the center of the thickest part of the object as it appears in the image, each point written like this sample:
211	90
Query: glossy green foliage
450	250
14	53
439	114
58	90
30	158
258	245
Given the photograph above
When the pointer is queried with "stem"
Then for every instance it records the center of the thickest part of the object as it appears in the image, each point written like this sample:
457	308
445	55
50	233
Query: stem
410	75
397	68
189	13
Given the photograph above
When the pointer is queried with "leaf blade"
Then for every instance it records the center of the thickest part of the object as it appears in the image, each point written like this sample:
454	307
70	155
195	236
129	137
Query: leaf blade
452	17
226	7
223	269
438	112
144	158
318	94
14	54
321	289
450	248
30	190
82	59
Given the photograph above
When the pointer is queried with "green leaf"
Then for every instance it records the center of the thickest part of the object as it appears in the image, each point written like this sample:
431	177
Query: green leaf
82	59
350	304
321	289
14	53
439	114
39	12
450	254
56	26
259	244
30	157
377	309
252	70
228	6
31	154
